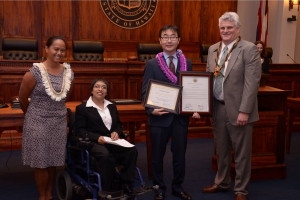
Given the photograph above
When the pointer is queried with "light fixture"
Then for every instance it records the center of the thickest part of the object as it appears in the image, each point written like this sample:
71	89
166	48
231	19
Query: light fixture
292	3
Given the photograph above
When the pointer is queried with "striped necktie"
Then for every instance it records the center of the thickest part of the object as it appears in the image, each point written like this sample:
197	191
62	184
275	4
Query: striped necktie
218	87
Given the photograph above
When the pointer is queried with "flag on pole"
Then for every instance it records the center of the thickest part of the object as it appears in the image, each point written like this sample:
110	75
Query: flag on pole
262	23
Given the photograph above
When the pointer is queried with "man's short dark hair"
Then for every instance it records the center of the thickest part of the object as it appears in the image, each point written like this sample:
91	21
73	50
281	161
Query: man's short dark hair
171	27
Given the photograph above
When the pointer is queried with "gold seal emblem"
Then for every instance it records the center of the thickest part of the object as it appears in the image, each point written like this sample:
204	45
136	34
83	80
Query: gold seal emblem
129	13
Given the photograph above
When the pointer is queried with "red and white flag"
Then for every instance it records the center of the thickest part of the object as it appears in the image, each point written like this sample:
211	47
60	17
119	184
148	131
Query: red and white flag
262	24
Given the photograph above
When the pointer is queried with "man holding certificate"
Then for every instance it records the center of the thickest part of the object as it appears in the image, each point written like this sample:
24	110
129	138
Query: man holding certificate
237	70
165	125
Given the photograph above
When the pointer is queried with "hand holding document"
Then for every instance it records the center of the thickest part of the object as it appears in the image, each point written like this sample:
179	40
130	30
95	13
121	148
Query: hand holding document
120	142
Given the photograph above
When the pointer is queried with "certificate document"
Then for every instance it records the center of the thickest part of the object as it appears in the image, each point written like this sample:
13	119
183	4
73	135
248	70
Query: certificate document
196	92
120	142
162	95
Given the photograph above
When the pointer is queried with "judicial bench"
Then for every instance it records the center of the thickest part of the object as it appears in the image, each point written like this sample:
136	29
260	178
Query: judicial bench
293	107
125	78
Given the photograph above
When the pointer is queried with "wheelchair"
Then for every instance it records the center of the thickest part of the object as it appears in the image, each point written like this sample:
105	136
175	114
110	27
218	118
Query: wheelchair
79	181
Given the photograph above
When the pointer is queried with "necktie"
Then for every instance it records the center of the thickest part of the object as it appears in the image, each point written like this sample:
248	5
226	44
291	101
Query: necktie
171	65
219	79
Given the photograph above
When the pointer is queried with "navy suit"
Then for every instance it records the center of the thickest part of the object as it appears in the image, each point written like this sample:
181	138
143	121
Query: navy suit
162	128
89	124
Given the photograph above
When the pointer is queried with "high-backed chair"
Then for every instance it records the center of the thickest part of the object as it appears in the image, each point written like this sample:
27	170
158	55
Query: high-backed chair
269	53
88	50
204	52
147	51
20	49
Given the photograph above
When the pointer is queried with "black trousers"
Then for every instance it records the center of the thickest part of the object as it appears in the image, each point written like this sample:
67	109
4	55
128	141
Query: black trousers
160	137
108	157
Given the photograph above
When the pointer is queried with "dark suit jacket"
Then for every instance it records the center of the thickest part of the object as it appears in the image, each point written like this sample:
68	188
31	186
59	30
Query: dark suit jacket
152	71
88	122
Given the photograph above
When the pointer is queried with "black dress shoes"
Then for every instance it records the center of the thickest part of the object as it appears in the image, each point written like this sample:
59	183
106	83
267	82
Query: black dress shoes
182	195
159	196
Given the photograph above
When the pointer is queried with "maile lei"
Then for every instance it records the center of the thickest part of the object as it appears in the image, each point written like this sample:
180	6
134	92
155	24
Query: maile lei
164	67
218	68
66	84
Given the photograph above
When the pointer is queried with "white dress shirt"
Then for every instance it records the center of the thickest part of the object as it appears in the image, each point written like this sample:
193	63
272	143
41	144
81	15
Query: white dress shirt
175	59
104	113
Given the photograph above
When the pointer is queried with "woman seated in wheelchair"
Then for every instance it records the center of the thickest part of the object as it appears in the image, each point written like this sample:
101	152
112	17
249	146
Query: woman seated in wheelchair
95	119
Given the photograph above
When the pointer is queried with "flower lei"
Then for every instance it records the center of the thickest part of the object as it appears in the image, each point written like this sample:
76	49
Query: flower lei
163	65
56	96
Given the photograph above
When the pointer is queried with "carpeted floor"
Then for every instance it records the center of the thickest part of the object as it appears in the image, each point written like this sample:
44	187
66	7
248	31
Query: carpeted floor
16	181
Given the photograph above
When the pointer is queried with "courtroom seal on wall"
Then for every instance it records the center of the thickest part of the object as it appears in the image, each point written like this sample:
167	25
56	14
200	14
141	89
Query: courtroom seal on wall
129	13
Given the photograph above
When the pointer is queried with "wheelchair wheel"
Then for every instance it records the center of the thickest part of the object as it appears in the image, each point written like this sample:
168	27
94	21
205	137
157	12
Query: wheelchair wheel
64	186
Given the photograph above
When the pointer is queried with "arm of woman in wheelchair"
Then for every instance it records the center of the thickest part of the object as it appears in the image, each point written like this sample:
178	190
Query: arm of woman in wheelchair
84	125
116	124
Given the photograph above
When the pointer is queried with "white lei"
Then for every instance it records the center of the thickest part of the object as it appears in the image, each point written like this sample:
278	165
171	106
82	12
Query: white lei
56	96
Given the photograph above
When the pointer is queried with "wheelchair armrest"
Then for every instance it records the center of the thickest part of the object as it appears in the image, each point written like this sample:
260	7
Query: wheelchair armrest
81	143
126	135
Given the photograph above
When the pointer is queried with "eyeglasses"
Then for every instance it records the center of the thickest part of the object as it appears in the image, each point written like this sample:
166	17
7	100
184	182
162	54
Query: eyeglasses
166	38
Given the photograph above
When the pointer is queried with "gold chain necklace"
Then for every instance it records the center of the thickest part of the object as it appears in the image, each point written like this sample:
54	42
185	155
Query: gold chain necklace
50	84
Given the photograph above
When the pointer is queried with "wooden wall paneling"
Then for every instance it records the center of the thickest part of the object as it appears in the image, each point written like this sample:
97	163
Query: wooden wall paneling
285	76
86	20
119	49
57	20
1	27
92	23
191	50
164	15
75	20
9	86
11	75
135	79
19	19
211	11
80	90
265	137
38	26
135	87
118	86
187	17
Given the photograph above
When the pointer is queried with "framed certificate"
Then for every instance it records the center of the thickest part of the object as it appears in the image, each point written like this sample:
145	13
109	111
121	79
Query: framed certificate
162	95
196	92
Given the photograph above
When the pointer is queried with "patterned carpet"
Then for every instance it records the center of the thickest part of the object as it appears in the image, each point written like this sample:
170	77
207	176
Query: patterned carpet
16	181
